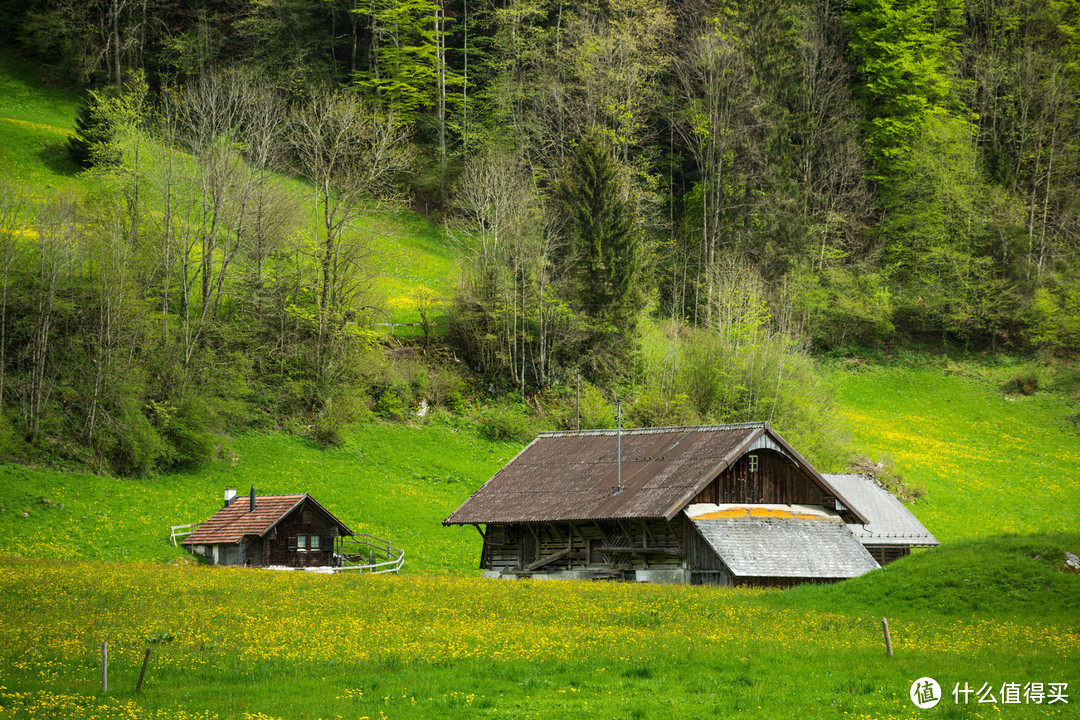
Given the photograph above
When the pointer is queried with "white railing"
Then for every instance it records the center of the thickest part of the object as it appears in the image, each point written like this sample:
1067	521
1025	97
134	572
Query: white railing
370	547
176	531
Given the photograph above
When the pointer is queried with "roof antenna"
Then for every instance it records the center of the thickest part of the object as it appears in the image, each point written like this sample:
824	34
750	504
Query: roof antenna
618	452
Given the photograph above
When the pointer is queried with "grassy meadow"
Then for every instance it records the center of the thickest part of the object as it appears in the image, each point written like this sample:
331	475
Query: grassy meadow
990	462
392	481
254	644
436	641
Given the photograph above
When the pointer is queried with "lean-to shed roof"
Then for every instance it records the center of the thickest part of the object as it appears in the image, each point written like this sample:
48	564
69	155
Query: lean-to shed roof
231	524
783	541
889	522
574	476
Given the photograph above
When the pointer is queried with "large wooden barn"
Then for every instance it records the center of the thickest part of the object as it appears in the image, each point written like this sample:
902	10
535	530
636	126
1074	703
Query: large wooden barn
267	531
722	504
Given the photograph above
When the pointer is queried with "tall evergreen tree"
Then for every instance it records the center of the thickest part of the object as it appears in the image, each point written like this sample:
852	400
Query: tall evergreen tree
605	254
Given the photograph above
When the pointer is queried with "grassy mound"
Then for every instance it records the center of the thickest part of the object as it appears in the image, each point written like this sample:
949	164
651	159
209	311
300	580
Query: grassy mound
1010	576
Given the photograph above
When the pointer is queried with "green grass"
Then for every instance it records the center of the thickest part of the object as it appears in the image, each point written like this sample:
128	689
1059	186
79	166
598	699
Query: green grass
248	643
418	266
35	122
392	481
1016	576
990	463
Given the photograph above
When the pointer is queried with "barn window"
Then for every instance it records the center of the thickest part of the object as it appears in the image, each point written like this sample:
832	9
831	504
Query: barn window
307	516
313	543
301	543
752	462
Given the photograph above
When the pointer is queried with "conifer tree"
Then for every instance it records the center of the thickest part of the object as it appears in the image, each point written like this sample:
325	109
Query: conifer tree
605	254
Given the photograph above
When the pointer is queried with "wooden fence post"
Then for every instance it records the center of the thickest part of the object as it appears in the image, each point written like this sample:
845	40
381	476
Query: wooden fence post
105	667
142	673
888	639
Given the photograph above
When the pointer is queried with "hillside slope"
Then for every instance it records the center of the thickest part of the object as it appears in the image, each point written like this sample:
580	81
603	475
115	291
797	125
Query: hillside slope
396	482
990	463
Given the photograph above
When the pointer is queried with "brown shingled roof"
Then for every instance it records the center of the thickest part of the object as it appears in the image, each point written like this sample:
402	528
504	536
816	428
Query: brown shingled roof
231	524
572	476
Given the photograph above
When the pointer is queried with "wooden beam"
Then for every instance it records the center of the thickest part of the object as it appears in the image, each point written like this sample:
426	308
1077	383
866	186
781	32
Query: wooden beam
546	560
555	531
638	551
603	534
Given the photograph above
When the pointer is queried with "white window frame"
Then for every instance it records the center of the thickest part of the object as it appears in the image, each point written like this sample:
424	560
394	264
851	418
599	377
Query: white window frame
752	463
308	543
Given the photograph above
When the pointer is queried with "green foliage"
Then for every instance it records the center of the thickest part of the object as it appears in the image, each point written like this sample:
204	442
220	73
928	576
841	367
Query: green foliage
940	230
605	263
597	410
841	305
508	421
1055	311
404	64
93	143
903	50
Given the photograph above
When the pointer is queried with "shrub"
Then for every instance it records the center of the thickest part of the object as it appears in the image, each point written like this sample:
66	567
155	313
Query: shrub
1023	384
842	305
508	421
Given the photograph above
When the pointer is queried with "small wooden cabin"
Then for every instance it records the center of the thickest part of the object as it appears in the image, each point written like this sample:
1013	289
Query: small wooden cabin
722	504
269	530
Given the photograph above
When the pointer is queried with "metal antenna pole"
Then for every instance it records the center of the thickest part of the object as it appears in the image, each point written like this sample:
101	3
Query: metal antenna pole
618	420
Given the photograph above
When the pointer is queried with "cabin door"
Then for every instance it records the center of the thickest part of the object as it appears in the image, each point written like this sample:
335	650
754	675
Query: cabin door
527	549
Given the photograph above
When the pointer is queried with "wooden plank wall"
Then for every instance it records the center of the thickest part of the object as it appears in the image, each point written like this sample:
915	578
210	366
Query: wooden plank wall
278	552
885	554
584	545
776	480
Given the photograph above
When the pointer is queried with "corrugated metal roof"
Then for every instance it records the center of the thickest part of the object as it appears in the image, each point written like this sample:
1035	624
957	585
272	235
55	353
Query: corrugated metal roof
889	522
564	476
794	545
231	524
573	476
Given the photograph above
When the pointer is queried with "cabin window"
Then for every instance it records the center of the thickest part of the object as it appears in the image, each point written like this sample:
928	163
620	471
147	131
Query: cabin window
308	543
307	516
752	463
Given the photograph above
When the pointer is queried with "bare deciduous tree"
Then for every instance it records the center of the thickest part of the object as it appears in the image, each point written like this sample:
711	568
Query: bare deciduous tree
352	155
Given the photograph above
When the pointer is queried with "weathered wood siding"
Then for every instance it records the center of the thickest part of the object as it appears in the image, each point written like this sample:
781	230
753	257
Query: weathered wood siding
610	545
281	546
887	553
776	480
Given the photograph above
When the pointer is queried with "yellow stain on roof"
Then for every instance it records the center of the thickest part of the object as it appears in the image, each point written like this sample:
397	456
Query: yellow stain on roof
39	126
761	512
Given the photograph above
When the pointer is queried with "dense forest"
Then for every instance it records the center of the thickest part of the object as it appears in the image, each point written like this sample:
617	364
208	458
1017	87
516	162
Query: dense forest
724	183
